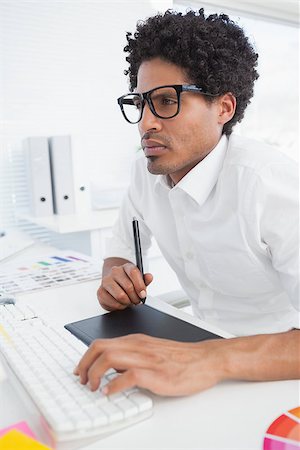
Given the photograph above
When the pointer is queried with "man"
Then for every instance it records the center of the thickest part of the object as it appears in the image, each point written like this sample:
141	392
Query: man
222	208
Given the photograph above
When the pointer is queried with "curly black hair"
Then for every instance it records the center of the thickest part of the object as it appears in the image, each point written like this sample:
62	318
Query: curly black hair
213	51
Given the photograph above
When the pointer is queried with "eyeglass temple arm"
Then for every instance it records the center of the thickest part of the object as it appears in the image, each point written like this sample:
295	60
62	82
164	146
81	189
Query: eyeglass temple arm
193	88
125	101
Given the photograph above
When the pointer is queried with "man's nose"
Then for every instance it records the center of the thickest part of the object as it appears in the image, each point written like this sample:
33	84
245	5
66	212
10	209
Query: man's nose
149	121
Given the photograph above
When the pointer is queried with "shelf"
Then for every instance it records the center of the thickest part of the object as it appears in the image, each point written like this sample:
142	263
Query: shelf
71	223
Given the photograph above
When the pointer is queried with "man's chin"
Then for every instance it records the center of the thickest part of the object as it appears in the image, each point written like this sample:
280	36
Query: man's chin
156	169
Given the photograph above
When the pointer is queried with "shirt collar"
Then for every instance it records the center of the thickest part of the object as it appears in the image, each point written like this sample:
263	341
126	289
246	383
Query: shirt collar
199	182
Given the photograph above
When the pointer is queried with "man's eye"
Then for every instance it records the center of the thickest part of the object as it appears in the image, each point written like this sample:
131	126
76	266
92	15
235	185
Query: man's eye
168	101
137	104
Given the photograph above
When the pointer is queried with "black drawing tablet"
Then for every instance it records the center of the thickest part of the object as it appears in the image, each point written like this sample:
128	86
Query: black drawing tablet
139	319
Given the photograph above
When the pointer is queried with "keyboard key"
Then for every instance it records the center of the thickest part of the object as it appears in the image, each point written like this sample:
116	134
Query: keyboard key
99	419
129	408
142	401
80	419
113	412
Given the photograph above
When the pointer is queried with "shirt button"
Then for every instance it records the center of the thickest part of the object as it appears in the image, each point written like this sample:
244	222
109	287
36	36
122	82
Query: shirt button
189	255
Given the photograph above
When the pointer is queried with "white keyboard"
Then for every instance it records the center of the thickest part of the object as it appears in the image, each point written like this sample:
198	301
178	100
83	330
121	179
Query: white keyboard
43	358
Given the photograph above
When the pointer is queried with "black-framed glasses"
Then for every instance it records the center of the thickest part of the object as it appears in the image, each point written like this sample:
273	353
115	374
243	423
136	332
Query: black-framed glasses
163	101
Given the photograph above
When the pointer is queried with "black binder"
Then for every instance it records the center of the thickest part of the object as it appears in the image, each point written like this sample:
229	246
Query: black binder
138	319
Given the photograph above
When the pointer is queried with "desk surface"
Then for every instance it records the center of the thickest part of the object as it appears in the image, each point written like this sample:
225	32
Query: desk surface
230	416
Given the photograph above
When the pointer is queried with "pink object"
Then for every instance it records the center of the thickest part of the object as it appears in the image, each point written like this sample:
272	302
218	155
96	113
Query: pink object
273	444
20	426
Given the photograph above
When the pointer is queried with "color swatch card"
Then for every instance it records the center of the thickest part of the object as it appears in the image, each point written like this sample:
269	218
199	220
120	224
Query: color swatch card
284	432
61	268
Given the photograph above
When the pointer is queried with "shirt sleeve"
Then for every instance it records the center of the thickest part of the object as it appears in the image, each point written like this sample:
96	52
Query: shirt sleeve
121	244
277	199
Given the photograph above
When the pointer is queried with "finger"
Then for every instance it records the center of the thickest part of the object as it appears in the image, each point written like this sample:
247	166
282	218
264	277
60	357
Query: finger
148	278
92	353
128	286
137	280
126	380
134	377
130	344
120	360
113	287
108	302
99	346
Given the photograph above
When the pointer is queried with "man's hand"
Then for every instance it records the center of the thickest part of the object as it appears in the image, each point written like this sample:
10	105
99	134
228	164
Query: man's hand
172	368
122	284
163	366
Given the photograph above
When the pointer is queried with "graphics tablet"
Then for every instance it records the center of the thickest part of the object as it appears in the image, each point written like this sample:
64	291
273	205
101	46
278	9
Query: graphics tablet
139	319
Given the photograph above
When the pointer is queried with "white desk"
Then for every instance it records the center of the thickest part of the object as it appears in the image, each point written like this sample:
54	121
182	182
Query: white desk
230	416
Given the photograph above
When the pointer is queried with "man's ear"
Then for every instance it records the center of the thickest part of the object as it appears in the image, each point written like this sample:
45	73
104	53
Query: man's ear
227	106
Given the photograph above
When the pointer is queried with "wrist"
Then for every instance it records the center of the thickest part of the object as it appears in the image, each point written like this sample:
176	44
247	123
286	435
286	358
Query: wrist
218	353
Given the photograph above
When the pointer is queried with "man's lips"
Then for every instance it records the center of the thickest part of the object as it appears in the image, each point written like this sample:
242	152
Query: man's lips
153	148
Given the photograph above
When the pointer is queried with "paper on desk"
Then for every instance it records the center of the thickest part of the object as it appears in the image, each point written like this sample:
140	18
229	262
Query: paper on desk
15	440
57	269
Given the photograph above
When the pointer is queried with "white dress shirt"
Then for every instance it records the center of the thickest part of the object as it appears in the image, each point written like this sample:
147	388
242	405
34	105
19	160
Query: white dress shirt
229	229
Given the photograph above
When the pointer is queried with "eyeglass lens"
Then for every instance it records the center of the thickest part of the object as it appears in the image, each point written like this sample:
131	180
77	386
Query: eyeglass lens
164	102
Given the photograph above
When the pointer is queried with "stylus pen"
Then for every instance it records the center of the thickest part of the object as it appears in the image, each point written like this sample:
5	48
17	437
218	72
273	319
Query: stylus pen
138	249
